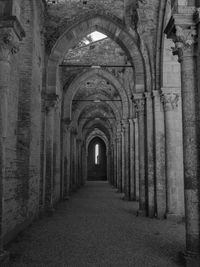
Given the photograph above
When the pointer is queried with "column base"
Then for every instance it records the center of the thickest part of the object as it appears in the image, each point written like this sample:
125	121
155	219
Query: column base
126	198
49	211
65	198
174	217
4	257
141	213
190	259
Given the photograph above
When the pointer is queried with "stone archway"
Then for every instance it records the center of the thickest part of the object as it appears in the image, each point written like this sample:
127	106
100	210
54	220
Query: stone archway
74	86
97	160
71	36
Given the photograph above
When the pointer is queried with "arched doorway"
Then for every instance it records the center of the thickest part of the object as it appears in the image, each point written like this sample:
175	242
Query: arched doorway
97	160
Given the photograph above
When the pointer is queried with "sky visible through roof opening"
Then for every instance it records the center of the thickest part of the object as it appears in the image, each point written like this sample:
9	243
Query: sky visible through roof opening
95	36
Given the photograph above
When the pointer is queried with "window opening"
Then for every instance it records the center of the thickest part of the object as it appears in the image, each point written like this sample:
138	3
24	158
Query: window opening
97	154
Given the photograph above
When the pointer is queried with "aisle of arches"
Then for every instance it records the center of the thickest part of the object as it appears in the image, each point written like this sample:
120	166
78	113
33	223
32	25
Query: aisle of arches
122	108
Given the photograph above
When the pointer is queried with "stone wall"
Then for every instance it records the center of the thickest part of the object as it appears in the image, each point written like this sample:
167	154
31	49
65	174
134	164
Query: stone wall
24	124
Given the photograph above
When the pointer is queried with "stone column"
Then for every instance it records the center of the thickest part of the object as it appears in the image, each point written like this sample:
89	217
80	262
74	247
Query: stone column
119	162
184	38
73	159
115	165
79	167
132	160
51	101
122	159
109	164
9	38
84	163
126	159
66	158
136	158
171	98
160	167
149	147
139	107
112	164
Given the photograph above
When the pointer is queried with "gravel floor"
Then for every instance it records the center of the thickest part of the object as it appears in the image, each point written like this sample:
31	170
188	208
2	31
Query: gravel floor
97	228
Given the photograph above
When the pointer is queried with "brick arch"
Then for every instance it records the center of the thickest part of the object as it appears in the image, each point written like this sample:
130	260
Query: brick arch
80	108
97	22
74	86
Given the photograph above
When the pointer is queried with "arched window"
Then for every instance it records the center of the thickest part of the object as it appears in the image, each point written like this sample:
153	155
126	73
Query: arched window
97	154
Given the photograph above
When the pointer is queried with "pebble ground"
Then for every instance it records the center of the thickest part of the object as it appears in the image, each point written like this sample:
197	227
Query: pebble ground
96	228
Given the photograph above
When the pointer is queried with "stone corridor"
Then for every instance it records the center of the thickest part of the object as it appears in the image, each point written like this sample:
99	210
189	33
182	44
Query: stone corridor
97	228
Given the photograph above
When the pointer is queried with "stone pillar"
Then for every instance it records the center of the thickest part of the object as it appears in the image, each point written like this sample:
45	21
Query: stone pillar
126	159
122	159
115	163
109	164
132	160
171	98
73	159
66	158
51	101
149	147
79	167
84	163
139	107
10	35
184	37
160	167
136	158
112	164
119	162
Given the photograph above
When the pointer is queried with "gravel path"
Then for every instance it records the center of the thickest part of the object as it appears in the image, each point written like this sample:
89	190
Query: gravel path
97	228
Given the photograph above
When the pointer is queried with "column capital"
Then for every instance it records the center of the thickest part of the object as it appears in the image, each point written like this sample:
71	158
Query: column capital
135	120
155	93
51	101
11	32
139	103
73	130
182	30
147	95
66	122
197	15
170	101
125	123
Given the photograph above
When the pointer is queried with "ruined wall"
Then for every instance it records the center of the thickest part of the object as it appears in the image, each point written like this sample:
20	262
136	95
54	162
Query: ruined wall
70	8
23	141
